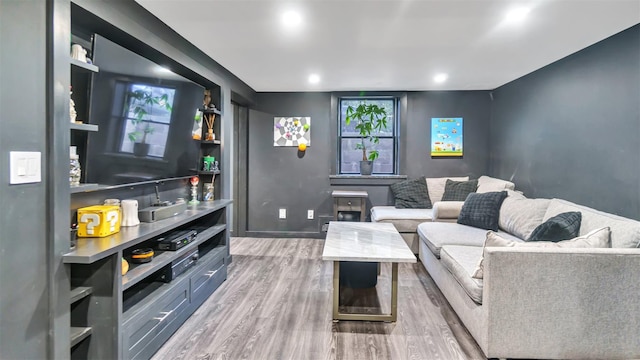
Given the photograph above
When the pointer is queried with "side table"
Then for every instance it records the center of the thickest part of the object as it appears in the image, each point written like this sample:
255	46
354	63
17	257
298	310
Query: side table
349	203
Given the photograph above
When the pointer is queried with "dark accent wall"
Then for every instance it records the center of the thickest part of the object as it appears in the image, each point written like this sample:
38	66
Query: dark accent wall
281	177
571	129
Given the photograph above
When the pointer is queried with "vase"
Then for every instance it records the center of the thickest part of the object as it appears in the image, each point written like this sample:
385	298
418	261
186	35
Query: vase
141	149
366	167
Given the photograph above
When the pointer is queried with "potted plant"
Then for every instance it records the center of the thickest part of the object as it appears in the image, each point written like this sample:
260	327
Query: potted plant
370	120
142	103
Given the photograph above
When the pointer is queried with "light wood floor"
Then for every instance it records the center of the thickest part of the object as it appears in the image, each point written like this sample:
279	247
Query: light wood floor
276	304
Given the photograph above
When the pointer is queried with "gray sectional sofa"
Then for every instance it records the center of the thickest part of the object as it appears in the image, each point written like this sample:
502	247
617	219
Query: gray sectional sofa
406	221
538	302
533	302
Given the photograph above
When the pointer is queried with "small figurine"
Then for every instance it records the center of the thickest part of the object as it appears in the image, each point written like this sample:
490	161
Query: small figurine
207	99
72	107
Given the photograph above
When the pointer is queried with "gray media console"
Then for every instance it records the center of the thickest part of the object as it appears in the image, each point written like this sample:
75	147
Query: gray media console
115	316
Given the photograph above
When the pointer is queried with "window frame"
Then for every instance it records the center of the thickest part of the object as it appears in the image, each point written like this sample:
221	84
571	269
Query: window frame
394	137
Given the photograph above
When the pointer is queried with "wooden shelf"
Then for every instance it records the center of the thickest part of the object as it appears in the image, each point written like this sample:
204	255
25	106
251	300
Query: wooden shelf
210	111
83	66
83	127
211	142
202	172
139	272
78	334
90	250
80	292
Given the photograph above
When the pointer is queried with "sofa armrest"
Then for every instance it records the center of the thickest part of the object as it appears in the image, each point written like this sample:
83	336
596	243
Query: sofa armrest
562	303
447	210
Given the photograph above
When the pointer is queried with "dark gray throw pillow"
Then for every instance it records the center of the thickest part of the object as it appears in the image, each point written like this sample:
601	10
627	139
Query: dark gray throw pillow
458	190
482	210
563	226
411	194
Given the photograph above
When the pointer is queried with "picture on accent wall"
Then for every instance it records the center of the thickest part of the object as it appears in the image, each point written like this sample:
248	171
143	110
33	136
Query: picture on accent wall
446	137
292	131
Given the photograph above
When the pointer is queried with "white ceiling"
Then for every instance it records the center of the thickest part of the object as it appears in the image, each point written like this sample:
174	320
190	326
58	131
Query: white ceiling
390	44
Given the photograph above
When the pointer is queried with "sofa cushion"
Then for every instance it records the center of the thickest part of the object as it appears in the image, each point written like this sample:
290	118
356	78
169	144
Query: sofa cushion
482	210
437	234
458	190
563	226
461	262
598	238
489	184
519	215
405	220
435	186
625	233
411	194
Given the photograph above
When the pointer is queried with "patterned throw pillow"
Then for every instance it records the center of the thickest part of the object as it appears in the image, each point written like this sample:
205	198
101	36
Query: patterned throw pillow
560	227
458	190
482	210
411	194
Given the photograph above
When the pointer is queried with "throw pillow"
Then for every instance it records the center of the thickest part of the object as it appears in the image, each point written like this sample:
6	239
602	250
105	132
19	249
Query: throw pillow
458	190
482	210
560	227
436	186
520	216
411	194
598	238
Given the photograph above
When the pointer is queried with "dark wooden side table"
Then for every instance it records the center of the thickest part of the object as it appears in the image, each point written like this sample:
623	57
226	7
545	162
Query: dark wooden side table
347	205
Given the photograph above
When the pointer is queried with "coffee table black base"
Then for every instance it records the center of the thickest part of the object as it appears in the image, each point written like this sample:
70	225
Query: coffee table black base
358	275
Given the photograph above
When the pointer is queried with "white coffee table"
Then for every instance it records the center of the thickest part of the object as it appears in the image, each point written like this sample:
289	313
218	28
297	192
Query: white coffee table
365	242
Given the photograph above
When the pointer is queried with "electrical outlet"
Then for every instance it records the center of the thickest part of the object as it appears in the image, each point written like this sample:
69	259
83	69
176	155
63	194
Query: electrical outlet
309	214
282	213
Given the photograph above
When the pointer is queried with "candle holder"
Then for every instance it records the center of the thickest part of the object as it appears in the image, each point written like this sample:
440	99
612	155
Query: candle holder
194	190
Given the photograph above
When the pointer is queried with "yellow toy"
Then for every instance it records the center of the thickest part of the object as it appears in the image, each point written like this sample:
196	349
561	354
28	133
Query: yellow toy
99	220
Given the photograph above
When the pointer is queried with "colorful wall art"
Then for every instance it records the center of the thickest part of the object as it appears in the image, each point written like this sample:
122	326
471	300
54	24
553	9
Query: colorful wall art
446	136
292	131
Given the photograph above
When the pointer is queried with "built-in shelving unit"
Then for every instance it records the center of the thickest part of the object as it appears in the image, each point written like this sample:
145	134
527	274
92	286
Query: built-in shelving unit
83	66
137	312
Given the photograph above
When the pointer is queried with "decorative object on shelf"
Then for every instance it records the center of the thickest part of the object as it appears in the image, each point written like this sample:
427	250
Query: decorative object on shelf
78	53
140	105
302	147
208	191
370	120
125	266
207	163
207	98
72	107
210	118
142	256
196	132
115	202
215	167
130	213
446	137
98	220
75	172
292	131
194	190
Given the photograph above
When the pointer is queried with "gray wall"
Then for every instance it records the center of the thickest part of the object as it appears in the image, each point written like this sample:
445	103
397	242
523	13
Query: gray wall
30	263
571	129
280	177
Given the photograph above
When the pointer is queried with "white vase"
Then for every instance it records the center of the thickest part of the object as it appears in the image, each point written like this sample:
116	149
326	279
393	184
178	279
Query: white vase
129	213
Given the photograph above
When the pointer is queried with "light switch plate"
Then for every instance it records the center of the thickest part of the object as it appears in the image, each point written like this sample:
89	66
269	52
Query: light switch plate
309	214
25	167
282	214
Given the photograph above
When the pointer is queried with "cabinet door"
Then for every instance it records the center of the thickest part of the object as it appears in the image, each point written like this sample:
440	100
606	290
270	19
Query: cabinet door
150	329
206	280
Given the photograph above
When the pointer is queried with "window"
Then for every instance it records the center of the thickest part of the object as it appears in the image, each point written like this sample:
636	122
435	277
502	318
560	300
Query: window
348	136
147	115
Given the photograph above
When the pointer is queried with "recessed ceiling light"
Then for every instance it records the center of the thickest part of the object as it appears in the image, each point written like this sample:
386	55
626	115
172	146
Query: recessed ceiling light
517	14
291	18
440	78
314	78
162	70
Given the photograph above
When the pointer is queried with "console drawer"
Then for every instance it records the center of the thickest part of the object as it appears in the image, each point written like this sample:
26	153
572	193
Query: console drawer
206	279
147	331
349	204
